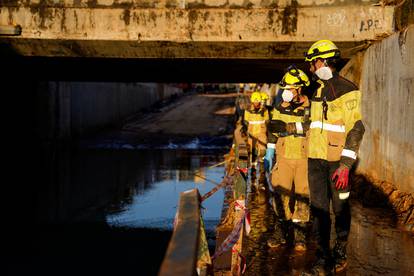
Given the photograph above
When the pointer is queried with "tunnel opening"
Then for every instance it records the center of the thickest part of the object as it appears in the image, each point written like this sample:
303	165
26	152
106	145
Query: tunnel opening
152	70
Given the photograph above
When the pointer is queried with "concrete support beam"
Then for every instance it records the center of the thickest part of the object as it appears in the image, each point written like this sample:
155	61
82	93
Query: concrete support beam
127	31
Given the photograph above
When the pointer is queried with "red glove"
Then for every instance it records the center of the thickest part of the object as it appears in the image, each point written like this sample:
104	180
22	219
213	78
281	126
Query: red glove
340	177
244	170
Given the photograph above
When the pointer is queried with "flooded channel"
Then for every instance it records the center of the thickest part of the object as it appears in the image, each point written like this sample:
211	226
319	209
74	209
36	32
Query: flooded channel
110	211
106	211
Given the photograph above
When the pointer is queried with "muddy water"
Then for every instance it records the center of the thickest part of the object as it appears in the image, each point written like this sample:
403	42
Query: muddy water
109	212
376	245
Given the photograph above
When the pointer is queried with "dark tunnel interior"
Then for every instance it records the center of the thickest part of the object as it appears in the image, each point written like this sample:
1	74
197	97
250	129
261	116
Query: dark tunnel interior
150	70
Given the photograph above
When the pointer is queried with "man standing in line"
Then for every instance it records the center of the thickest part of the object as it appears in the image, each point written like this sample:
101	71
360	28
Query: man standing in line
255	128
290	174
334	136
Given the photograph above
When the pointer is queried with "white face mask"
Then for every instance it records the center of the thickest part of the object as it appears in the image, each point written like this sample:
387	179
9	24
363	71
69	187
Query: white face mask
324	73
287	95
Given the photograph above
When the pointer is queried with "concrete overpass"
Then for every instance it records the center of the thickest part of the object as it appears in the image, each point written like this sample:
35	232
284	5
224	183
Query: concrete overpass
183	40
227	29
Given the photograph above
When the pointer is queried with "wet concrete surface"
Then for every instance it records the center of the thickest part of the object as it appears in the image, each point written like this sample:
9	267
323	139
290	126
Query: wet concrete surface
377	246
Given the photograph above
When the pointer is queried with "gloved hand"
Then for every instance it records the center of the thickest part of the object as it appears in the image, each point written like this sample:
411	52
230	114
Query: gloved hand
268	159
291	128
277	126
284	129
340	177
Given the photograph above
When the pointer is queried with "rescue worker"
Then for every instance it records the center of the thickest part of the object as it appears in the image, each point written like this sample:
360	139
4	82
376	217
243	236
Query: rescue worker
265	98
334	136
265	93
289	177
254	126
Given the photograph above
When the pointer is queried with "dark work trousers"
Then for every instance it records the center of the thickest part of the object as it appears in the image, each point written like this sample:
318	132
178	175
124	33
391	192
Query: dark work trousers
322	191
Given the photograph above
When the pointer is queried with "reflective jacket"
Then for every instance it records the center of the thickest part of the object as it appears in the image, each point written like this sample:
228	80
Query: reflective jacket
291	146
256	121
336	130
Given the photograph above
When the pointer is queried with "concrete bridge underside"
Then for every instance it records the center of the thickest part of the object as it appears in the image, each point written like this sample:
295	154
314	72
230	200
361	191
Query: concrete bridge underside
231	29
193	40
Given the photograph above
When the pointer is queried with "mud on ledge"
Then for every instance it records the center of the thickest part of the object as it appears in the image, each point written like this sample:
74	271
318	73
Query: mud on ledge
384	194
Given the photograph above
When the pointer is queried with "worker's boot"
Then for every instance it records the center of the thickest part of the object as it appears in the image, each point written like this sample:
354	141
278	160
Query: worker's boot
279	236
323	264
300	232
339	255
320	268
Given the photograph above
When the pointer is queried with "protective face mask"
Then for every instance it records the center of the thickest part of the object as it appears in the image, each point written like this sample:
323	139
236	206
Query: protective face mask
287	95
324	73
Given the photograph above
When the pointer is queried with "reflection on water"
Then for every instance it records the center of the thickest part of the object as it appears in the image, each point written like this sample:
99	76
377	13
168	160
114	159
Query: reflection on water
110	211
82	185
155	207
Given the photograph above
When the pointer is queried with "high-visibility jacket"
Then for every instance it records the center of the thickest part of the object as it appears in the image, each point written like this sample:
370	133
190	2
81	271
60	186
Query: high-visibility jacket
256	121
336	130
291	146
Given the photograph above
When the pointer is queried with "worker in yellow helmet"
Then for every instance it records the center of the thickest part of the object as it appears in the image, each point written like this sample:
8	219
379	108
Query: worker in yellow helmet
264	92
289	177
265	97
255	120
334	136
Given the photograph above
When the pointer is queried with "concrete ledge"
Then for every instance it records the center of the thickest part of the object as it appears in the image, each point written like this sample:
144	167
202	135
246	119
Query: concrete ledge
181	255
351	23
274	30
184	4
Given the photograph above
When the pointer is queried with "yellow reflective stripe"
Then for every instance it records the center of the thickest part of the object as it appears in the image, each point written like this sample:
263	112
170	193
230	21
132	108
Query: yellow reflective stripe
256	122
349	153
326	126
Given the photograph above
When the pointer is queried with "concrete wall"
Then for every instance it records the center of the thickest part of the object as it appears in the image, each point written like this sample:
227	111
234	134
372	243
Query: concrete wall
387	83
72	109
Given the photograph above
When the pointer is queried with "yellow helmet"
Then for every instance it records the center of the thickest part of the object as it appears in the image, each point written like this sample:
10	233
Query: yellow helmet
264	96
322	49
294	78
256	97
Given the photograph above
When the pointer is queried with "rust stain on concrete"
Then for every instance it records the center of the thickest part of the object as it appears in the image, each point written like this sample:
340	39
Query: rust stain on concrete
290	18
43	11
126	16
